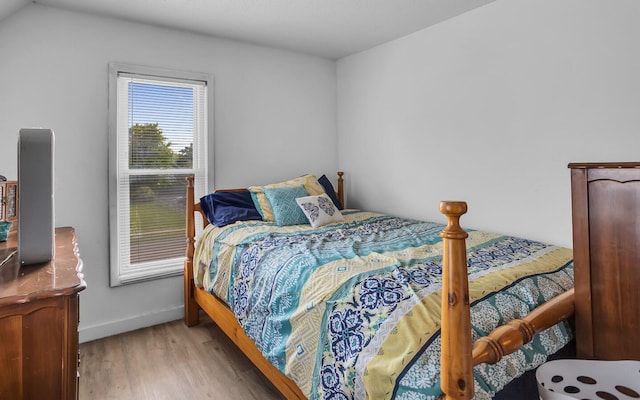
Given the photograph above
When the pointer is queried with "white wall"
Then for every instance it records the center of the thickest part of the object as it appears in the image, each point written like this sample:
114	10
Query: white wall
490	107
275	118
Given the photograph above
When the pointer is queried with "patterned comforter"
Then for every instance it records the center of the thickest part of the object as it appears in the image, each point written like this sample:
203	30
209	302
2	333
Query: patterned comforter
352	311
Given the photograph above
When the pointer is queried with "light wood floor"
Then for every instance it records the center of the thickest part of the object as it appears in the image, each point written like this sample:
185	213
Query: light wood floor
170	361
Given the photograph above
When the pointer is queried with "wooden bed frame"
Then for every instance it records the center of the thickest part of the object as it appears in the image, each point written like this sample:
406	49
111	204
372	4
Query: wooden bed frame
459	355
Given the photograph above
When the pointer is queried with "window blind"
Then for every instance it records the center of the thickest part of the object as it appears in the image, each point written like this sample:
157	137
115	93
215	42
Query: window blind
160	140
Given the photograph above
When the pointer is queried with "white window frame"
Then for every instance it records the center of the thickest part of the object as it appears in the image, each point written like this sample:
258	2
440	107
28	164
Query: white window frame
122	271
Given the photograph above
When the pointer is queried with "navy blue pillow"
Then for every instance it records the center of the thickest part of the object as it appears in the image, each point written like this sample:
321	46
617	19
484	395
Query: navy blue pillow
328	188
224	208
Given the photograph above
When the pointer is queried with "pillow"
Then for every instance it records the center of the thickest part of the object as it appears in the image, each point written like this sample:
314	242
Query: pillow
224	208
261	203
284	206
328	189
319	210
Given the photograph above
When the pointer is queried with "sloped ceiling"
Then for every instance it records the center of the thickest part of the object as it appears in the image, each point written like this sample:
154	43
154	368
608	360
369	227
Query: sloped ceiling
326	28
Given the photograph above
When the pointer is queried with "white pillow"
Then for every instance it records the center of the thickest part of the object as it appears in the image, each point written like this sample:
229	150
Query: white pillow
319	210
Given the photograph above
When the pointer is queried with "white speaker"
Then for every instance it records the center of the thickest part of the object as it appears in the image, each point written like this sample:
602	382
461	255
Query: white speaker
35	196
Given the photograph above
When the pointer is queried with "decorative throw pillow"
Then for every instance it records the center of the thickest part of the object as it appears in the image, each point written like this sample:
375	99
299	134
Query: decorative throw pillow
319	210
310	183
284	206
224	208
330	191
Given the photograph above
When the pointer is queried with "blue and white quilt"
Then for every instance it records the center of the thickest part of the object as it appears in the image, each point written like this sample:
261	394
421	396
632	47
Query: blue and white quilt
352	310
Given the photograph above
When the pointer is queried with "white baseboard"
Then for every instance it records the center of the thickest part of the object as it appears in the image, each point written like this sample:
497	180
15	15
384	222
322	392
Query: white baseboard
89	333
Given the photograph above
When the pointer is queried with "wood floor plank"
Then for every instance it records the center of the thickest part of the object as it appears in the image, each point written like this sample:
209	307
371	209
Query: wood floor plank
170	361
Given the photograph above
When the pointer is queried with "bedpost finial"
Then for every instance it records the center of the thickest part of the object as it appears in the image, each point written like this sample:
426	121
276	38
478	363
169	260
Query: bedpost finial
453	208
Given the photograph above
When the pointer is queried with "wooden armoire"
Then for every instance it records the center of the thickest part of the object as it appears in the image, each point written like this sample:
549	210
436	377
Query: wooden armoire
606	245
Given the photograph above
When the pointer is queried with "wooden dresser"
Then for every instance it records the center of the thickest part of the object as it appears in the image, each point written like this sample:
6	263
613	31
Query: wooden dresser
606	246
39	322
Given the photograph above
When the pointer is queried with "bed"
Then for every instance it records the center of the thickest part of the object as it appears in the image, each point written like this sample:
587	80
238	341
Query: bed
381	307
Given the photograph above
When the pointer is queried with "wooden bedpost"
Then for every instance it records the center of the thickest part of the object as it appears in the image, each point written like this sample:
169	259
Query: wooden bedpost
191	309
456	371
340	193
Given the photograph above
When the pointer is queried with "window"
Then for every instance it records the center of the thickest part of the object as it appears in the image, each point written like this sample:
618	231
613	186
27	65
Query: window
158	136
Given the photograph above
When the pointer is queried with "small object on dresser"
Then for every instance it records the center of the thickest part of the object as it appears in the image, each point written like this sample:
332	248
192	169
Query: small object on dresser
4	230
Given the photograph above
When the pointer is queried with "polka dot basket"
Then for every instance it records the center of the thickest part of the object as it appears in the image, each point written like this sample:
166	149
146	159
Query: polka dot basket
589	379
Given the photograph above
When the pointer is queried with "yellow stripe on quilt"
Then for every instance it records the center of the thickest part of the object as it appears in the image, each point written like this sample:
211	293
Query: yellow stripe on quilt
549	261
305	323
416	327
202	255
409	333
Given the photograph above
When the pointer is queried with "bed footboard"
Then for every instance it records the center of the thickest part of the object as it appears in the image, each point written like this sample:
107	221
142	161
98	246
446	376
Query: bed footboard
458	356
